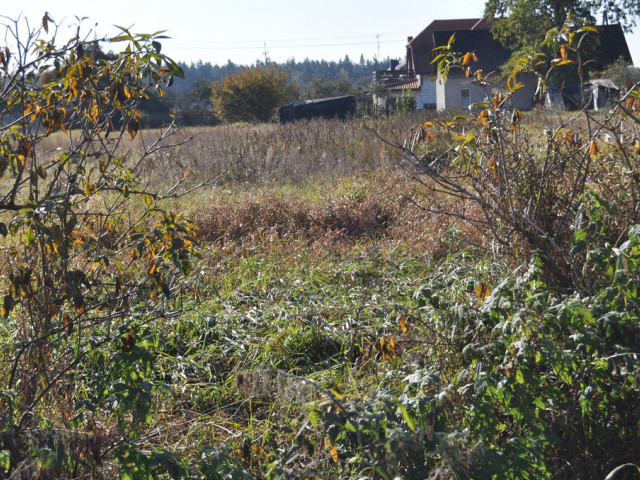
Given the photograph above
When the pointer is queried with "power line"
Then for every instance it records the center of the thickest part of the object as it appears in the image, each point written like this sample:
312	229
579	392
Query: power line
257	46
308	39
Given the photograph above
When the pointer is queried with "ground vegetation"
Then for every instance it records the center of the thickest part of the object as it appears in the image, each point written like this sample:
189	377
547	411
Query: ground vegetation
411	297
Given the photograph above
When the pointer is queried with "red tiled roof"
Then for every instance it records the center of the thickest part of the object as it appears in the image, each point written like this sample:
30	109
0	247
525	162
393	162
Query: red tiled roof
420	49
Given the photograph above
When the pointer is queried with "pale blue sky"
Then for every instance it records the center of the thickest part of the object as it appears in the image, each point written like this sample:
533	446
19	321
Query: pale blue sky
241	30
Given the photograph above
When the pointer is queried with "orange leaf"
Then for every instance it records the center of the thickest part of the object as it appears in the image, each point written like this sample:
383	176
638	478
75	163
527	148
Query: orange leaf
404	323
45	21
334	453
563	51
129	341
132	128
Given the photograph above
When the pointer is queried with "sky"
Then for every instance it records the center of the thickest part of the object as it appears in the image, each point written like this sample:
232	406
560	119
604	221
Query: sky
244	31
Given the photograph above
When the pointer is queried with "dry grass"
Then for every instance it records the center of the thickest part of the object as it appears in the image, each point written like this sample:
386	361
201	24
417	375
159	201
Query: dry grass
290	153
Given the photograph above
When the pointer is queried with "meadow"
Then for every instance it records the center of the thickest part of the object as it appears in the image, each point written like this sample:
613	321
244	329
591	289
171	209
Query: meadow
352	322
349	317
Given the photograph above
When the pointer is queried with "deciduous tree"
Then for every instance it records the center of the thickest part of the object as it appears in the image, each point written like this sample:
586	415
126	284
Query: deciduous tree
522	24
252	95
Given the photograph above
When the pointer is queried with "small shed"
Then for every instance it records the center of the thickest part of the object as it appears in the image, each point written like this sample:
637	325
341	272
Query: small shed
602	92
332	107
596	94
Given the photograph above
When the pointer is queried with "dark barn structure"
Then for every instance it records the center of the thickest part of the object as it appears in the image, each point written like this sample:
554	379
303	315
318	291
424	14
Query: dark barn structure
333	107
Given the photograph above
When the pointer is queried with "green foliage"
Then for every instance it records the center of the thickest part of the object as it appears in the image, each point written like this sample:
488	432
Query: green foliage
322	87
252	95
524	23
406	103
623	75
93	255
516	385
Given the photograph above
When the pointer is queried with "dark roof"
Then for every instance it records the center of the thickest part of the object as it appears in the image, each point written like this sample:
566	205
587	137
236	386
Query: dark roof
491	54
420	48
613	44
474	34
315	101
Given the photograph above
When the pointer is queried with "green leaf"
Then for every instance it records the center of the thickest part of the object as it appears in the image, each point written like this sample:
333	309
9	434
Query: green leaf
538	402
29	236
5	460
408	418
314	417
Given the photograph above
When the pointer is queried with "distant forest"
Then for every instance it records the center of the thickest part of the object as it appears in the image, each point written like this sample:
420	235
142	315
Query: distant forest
189	99
302	73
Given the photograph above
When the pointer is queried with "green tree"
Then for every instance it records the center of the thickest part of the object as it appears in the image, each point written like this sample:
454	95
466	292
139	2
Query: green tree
91	258
522	24
252	95
322	87
623	75
194	106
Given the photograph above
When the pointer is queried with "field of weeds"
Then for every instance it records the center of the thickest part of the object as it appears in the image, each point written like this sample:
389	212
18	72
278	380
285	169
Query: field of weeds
410	297
354	323
349	318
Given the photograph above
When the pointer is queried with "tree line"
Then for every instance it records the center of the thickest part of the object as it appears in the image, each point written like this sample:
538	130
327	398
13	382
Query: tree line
207	92
189	100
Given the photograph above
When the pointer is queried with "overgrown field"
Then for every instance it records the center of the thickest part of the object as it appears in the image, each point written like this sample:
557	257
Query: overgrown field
348	318
411	297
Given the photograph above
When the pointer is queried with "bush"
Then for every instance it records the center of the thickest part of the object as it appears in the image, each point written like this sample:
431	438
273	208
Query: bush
91	259
525	191
252	95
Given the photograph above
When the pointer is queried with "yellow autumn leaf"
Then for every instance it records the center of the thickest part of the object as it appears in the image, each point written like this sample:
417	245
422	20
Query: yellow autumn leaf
148	199
404	323
482	291
334	453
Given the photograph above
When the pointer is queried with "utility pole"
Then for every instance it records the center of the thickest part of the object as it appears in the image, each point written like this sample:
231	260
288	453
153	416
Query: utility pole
265	53
378	40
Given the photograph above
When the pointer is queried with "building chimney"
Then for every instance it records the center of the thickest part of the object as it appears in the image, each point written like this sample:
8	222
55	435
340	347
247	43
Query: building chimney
409	39
394	64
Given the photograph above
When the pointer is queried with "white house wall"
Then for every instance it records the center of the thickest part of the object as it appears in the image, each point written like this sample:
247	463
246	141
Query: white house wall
449	94
426	97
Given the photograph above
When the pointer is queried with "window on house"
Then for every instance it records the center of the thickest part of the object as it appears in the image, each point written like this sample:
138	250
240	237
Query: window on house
465	98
